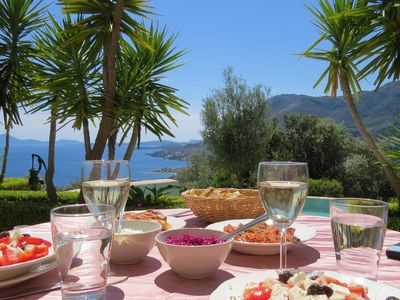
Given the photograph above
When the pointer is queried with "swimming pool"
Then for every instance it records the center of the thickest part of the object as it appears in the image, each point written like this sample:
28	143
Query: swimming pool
316	206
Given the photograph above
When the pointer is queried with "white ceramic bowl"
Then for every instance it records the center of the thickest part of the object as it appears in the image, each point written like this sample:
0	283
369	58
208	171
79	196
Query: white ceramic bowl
134	242
193	262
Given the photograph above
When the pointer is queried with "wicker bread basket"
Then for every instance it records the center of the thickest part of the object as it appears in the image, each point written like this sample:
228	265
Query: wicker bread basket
213	205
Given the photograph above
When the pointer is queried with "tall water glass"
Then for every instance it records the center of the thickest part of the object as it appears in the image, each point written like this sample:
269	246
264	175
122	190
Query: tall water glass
82	239
283	188
106	182
358	229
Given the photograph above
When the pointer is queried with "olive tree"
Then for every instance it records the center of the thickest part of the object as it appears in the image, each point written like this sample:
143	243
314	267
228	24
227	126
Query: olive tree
319	141
236	126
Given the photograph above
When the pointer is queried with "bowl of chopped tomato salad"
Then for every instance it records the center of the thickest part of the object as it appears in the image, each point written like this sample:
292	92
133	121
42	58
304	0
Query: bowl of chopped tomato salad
22	252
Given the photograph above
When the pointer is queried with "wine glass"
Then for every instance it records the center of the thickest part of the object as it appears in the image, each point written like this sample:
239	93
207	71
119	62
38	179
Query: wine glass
106	182
283	188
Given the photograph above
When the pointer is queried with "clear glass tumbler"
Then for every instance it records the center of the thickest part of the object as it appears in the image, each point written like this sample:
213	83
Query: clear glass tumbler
358	229
82	237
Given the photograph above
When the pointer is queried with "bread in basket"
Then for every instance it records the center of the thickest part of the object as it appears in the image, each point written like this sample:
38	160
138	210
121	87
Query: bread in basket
219	204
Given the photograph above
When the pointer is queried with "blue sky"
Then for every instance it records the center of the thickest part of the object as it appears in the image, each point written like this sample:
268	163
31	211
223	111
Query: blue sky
258	38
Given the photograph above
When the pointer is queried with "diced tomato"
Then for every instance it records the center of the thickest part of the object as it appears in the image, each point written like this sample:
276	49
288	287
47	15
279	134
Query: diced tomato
329	280
5	240
9	257
27	248
259	292
359	290
26	256
25	240
40	251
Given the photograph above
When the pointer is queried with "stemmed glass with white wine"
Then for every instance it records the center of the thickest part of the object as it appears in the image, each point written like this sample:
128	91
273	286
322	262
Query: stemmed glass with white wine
283	188
106	182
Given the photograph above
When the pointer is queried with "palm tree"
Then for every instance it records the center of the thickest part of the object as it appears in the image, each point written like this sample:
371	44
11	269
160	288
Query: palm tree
382	49
103	22
67	84
18	20
143	101
348	36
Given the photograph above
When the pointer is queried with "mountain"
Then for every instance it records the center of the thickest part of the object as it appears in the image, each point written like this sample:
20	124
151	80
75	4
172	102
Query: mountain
143	145
180	152
378	110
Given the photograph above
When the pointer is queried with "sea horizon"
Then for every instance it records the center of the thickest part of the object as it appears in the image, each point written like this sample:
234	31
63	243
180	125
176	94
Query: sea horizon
69	156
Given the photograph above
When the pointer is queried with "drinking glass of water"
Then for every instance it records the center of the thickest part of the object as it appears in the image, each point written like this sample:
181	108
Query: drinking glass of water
82	236
358	229
106	182
283	188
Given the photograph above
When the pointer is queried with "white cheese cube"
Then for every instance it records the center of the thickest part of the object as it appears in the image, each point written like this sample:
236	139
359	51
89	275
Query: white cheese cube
297	279
279	292
296	293
339	292
307	282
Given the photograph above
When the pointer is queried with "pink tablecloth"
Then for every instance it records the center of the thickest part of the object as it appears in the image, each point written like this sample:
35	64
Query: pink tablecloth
153	279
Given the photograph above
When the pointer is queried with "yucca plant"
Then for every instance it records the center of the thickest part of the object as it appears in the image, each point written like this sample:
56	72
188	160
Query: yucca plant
143	100
393	147
66	83
18	20
348	35
103	23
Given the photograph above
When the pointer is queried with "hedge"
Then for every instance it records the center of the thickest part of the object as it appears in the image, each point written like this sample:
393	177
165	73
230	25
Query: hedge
29	207
15	184
325	188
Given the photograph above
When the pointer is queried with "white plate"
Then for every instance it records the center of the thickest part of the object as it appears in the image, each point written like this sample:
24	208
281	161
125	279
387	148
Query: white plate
234	288
38	270
303	232
173	221
11	271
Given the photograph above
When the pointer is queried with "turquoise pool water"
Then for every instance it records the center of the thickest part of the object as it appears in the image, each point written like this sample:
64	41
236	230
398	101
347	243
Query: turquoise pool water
316	206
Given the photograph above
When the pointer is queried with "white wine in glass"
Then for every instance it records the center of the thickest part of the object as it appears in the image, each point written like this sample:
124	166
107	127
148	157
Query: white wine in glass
106	182
283	189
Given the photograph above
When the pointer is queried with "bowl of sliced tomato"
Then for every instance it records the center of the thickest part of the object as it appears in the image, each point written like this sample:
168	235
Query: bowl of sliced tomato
22	252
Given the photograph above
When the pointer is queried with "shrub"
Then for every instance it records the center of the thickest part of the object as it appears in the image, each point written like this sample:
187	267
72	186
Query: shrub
223	179
325	188
15	184
363	177
199	173
29	207
149	196
394	208
394	223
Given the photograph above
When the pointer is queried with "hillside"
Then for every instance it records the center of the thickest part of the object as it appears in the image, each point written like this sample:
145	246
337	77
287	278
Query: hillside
378	110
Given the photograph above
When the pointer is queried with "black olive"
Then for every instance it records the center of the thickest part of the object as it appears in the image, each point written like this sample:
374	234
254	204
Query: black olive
4	234
319	289
26	234
392	298
285	276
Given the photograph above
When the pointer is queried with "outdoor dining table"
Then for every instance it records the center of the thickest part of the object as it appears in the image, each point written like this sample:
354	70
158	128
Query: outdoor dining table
153	279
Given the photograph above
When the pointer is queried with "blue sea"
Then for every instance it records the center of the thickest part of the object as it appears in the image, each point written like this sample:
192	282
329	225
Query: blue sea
69	158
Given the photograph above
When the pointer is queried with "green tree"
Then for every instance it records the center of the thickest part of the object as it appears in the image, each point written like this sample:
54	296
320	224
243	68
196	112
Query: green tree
361	175
143	100
18	20
200	171
235	120
349	36
66	81
392	142
318	141
103	23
